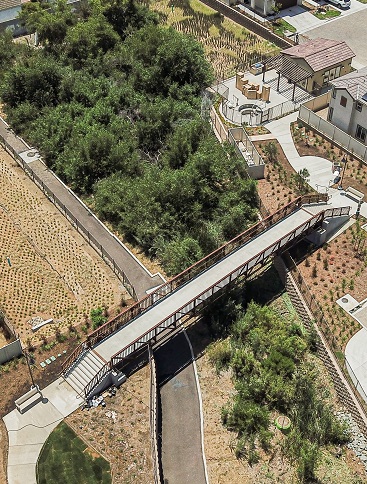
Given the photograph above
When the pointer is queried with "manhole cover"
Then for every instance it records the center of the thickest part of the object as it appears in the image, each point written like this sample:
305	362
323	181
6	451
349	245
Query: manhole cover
344	300
31	154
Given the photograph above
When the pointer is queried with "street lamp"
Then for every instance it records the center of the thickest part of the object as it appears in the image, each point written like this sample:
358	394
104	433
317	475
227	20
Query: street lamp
29	367
345	161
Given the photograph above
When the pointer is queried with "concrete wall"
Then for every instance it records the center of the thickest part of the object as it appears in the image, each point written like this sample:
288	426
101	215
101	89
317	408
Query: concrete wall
10	351
319	102
329	130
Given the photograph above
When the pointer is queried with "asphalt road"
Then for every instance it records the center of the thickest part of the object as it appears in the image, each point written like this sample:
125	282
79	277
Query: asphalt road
351	28
181	451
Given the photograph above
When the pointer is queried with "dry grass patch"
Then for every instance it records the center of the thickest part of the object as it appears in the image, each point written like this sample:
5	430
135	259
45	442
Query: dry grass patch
53	273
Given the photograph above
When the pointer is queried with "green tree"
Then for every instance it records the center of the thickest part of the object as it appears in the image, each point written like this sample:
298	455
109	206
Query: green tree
97	317
271	151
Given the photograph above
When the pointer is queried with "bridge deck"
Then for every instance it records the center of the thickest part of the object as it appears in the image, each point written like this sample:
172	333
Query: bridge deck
167	306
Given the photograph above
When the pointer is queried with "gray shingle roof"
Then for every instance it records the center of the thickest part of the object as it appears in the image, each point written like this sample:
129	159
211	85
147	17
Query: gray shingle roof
321	53
354	82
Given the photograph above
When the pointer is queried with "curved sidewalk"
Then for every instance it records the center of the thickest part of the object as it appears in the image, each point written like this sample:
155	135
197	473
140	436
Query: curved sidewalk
319	168
28	432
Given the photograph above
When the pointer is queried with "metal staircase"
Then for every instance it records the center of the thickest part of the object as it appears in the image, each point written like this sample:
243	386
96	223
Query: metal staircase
84	371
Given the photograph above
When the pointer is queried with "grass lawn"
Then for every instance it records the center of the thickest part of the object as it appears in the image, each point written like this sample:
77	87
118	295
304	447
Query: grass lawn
66	459
281	26
327	14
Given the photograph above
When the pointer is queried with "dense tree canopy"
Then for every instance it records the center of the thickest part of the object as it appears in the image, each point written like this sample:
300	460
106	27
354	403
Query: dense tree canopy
112	99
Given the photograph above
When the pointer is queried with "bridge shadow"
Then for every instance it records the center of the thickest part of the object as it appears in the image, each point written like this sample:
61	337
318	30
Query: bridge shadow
217	318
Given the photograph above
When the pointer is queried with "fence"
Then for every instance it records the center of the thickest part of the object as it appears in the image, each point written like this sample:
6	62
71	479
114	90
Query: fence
255	116
250	23
325	329
72	219
154	418
10	351
334	134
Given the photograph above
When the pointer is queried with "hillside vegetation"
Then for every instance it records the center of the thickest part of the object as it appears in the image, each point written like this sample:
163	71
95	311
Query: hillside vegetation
113	101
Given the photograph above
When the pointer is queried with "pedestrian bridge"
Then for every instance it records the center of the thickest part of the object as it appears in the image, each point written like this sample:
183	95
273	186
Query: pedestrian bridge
119	341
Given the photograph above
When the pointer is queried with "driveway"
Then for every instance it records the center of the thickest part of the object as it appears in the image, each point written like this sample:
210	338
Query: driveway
352	29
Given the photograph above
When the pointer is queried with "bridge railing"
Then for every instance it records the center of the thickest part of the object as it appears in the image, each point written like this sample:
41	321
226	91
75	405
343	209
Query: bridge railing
245	268
162	291
207	293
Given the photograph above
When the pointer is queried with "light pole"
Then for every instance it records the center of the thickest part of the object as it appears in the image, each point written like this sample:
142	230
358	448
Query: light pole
345	161
29	367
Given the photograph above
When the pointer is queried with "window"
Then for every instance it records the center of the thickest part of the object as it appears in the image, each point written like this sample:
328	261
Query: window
361	133
343	101
330	113
359	106
333	93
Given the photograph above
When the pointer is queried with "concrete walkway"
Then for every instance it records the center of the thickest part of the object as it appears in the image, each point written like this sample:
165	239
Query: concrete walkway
320	176
319	168
98	235
356	356
28	432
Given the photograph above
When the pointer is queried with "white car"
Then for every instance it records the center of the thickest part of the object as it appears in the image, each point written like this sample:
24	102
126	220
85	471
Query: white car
341	3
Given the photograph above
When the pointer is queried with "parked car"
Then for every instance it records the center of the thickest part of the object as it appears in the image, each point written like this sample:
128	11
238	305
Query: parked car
341	3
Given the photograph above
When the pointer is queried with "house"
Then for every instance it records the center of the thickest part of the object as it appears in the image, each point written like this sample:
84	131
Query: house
266	7
322	61
348	104
9	10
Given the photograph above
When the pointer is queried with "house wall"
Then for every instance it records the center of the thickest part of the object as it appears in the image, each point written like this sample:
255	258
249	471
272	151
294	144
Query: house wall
358	117
341	115
318	76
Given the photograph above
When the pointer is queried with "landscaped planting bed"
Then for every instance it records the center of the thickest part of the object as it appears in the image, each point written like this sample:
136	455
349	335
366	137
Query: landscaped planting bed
309	143
47	268
279	186
332	271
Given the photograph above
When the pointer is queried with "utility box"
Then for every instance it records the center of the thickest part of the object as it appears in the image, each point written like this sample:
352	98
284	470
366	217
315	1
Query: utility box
118	378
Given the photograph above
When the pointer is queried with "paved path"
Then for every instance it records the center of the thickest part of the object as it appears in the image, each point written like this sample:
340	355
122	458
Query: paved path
319	168
138	275
320	175
356	355
28	432
181	442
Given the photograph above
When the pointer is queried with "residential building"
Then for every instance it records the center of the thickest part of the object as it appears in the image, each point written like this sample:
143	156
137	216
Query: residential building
321	60
348	104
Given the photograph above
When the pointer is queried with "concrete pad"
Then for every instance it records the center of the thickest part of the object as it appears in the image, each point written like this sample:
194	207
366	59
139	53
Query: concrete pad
63	397
22	474
28	455
356	349
41	415
29	431
30	435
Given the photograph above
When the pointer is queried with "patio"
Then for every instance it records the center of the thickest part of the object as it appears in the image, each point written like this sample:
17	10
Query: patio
239	109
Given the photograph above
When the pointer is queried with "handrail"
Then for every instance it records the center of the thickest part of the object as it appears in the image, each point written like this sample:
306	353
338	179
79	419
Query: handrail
275	246
126	316
106	368
319	216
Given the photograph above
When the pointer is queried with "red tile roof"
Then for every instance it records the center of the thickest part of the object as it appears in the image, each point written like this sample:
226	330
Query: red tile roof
321	53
